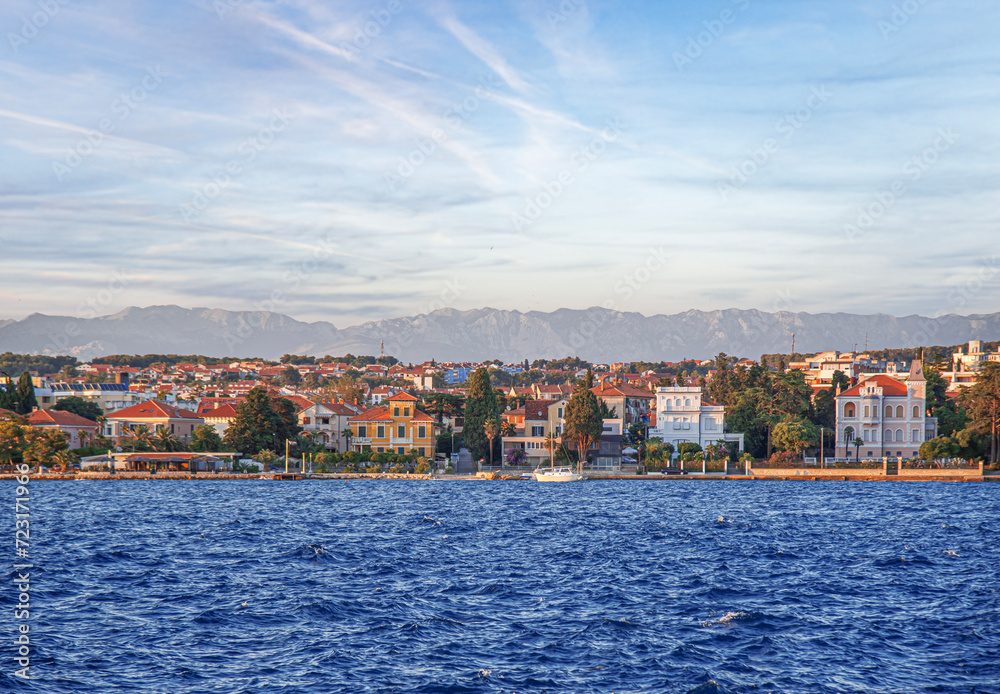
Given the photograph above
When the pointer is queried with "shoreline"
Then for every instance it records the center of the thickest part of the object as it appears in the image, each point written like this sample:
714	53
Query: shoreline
299	477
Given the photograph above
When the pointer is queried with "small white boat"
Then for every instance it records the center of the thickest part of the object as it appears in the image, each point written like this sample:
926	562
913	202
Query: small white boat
559	474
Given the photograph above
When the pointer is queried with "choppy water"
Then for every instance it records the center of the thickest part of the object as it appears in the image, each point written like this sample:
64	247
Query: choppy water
365	586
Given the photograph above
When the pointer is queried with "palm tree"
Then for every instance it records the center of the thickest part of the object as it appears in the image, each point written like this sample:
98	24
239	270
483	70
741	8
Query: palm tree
166	441
347	434
140	434
491	427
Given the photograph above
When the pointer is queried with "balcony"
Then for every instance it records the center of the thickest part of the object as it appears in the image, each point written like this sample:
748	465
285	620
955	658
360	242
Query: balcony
401	442
361	441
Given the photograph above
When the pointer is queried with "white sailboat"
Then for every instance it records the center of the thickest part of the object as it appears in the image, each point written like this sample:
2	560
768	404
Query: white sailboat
556	474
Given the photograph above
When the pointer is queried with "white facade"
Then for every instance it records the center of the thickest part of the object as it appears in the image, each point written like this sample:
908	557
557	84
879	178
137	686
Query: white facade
683	416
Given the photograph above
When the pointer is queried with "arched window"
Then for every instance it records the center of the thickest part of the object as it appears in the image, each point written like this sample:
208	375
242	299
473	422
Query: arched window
899	411
888	411
899	435
848	434
916	411
687	402
888	435
849	410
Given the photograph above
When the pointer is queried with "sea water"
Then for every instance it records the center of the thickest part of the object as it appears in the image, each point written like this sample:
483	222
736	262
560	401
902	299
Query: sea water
435	586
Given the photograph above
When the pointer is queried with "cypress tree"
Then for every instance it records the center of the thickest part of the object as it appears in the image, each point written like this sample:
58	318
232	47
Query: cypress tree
26	402
480	405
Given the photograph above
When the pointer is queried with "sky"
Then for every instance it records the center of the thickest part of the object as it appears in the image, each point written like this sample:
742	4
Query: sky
350	161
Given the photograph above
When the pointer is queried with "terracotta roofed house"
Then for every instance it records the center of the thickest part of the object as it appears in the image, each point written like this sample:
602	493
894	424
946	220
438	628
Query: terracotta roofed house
77	428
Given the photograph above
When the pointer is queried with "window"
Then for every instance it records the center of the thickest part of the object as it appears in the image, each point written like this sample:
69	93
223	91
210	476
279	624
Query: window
849	410
401	431
380	432
899	435
899	411
888	435
305	420
559	413
420	451
866	411
916	412
362	432
687	402
406	411
888	411
395	411
400	450
326	420
849	434
915	435
422	434
538	431
866	433
381	450
677	422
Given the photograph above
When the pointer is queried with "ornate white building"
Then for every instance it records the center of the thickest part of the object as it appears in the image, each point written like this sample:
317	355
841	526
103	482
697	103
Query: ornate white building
682	414
886	414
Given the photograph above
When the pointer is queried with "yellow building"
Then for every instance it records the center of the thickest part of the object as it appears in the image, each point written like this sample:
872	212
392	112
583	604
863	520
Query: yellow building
394	427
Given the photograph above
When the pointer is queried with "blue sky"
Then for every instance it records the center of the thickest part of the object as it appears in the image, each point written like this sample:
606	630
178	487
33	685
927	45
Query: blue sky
354	161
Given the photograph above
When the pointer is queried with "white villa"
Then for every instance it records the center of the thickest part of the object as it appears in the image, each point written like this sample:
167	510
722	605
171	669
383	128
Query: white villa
886	414
683	414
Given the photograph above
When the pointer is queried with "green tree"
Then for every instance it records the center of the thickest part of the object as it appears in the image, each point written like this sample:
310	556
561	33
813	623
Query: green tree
205	438
839	379
26	402
583	418
290	376
259	424
982	402
794	434
826	408
480	405
79	406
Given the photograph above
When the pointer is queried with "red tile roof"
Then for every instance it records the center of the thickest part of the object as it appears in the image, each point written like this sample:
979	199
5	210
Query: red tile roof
890	386
153	409
60	418
535	410
403	396
227	411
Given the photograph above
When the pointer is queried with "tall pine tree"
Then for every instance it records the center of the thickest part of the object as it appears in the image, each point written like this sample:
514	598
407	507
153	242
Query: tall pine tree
480	405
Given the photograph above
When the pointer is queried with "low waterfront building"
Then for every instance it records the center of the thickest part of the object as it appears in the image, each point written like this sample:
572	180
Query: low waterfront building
156	416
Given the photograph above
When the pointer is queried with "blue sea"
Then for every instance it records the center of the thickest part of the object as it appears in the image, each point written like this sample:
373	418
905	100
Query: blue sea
433	586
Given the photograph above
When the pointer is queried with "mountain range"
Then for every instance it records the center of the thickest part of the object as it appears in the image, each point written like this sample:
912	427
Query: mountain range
595	334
